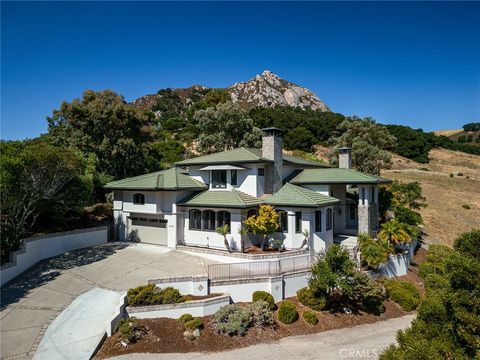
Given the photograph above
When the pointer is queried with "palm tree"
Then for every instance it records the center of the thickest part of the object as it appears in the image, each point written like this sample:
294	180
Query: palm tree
224	230
373	252
394	232
242	231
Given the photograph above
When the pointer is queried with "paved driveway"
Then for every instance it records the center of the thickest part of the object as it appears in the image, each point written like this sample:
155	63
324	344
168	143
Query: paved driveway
30	302
358	342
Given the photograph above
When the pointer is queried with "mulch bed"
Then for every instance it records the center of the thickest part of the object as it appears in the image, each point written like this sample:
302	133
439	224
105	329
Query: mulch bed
201	297
166	335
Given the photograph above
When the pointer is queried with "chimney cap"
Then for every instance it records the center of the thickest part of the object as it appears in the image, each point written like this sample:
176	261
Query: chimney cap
272	131
345	149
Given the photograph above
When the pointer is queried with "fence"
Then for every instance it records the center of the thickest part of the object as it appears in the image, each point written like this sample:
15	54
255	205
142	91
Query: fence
258	268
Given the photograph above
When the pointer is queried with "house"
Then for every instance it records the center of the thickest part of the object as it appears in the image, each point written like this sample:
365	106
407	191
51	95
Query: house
187	203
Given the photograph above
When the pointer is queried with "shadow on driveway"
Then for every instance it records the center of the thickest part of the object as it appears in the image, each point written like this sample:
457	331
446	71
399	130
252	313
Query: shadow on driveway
47	270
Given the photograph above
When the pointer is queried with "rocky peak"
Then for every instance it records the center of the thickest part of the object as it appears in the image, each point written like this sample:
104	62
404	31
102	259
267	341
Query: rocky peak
269	90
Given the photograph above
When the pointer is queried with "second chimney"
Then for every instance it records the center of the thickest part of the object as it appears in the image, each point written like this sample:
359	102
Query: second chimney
345	158
272	144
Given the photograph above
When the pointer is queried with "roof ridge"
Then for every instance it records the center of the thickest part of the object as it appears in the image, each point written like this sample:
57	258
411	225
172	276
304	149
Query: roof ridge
137	177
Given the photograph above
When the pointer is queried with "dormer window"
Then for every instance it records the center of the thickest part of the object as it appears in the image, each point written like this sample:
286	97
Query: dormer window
219	179
139	199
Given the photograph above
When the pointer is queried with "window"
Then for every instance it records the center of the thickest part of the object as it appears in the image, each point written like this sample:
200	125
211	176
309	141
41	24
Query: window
352	211
234	177
283	221
251	212
223	218
363	196
329	219
195	217
219	179
209	220
318	221
138	199
261	172
372	190
298	222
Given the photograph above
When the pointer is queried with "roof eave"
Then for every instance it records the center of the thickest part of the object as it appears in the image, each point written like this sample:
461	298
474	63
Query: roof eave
226	162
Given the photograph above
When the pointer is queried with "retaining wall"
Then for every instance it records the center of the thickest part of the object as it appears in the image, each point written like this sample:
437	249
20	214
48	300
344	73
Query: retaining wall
39	248
196	308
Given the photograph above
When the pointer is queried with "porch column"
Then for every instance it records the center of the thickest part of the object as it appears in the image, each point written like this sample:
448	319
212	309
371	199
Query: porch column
363	211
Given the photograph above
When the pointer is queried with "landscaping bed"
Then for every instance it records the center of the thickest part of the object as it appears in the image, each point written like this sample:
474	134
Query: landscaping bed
165	335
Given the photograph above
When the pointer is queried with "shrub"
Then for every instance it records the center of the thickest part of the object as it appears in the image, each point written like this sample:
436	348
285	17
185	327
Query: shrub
373	305
451	175
468	243
306	297
231	320
310	317
194	324
435	261
128	329
265	296
152	295
287	312
185	317
261	313
466	206
403	293
407	216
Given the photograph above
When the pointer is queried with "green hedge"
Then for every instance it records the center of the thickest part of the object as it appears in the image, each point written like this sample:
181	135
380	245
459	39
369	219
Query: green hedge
306	297
265	296
287	312
310	317
403	293
152	295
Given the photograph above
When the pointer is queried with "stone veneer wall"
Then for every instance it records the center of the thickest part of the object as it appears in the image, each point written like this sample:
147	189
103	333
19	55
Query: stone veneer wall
272	149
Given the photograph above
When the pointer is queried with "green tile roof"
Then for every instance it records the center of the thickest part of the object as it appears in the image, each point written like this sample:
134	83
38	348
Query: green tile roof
221	198
245	155
293	195
170	179
304	162
240	155
336	176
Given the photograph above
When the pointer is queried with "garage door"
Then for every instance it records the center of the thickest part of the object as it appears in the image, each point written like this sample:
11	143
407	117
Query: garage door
149	230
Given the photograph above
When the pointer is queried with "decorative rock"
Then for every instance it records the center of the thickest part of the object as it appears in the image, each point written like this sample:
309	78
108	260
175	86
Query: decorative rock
188	335
124	344
196	333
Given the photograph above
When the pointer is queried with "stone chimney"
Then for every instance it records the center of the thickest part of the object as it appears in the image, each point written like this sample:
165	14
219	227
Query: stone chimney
345	158
272	144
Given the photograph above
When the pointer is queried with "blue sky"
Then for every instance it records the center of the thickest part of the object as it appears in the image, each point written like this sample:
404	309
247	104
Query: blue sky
416	64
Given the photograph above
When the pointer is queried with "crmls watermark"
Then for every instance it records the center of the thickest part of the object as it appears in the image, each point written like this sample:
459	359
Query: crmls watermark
351	353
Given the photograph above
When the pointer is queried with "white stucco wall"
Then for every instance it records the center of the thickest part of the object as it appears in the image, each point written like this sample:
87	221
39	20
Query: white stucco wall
39	248
195	308
321	188
211	238
193	285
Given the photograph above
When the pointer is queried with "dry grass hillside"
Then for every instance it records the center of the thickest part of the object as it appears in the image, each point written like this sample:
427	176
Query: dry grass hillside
446	216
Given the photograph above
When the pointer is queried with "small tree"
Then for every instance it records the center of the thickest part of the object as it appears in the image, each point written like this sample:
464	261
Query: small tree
224	230
242	231
265	223
373	252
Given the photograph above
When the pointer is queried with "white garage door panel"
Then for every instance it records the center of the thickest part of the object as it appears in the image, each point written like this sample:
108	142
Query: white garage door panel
150	230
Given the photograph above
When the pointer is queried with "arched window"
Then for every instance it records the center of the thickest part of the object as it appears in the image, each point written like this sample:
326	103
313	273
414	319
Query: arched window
329	219
223	218
209	220
138	199
283	221
195	217
251	212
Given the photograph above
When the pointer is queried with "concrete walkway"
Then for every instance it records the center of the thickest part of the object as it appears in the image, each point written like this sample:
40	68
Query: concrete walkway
77	331
359	342
30	302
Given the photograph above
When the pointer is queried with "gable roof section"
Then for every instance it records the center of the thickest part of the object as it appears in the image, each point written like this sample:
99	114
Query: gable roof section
239	155
221	198
293	195
337	176
170	179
